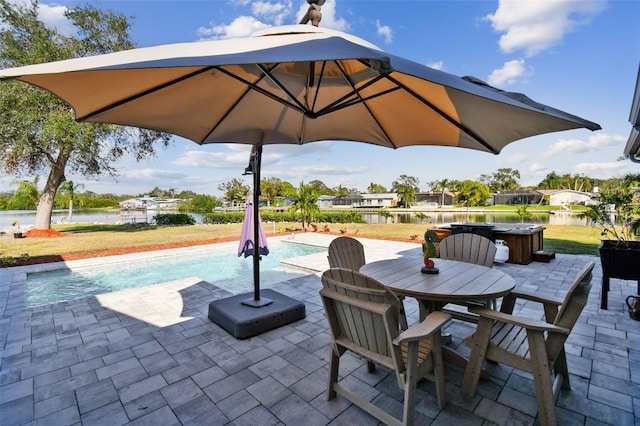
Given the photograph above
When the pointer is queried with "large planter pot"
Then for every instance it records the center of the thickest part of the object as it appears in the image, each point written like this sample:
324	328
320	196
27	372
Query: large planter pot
618	261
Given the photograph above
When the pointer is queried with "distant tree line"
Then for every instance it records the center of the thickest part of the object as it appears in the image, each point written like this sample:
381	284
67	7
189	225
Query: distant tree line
275	191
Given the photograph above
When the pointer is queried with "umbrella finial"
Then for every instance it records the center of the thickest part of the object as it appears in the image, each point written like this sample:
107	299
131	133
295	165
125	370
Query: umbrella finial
313	13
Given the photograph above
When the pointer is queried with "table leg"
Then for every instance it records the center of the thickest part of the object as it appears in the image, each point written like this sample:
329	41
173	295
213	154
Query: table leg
449	354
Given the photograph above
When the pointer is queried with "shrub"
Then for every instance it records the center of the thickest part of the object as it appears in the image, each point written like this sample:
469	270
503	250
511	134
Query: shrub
8	261
284	216
167	219
219	218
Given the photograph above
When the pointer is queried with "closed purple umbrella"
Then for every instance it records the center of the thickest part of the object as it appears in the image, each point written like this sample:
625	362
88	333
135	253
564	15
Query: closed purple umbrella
247	237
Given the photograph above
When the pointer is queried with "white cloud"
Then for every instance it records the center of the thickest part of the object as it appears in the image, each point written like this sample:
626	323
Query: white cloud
266	14
51	14
439	65
603	170
509	73
534	26
242	26
214	160
537	168
516	159
274	13
236	156
576	146
322	169
385	32
151	175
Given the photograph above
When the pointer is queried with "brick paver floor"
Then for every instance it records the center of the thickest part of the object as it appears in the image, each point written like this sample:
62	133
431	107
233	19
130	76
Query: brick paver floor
151	356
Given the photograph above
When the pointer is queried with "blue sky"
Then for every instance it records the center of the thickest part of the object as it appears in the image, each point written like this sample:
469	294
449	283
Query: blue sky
578	56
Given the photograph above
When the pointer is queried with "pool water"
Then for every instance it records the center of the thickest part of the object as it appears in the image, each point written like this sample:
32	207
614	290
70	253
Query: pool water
217	267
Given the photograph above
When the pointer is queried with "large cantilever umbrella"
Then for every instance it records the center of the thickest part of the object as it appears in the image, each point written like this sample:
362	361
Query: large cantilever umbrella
292	85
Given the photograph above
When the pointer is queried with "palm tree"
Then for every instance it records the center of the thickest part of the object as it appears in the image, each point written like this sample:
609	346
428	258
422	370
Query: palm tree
407	195
306	201
440	185
29	190
69	189
551	181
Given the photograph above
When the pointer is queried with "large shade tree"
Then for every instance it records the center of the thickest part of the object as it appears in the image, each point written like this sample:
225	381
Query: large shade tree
471	193
38	133
235	192
505	179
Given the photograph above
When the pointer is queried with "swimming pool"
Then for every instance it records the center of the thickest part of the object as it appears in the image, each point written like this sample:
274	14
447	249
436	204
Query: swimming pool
220	267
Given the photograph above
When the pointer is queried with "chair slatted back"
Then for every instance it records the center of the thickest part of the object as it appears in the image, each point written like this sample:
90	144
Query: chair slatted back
571	308
363	315
468	247
346	252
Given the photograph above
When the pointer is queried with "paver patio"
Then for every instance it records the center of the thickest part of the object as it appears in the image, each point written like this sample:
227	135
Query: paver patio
151	356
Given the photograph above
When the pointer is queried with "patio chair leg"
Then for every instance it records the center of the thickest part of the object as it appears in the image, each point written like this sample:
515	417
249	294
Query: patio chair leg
411	379
371	367
477	356
438	370
542	379
561	367
334	364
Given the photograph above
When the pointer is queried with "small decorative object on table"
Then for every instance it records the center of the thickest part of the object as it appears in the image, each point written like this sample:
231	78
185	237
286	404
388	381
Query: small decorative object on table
429	250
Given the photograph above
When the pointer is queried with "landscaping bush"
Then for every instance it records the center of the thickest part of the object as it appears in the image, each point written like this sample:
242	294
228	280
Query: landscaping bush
284	216
348	216
168	219
219	218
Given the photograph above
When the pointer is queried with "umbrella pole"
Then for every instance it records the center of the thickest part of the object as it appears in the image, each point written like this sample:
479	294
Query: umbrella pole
256	302
238	314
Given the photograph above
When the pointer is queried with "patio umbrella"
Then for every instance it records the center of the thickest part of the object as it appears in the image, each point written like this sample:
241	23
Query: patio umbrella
292	85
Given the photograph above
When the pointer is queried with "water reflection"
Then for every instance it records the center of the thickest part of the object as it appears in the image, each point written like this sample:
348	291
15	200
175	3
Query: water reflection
27	217
560	218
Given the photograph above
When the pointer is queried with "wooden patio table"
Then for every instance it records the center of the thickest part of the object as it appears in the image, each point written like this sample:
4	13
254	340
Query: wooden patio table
457	282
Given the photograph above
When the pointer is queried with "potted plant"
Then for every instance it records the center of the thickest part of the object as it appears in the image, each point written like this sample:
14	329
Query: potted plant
618	218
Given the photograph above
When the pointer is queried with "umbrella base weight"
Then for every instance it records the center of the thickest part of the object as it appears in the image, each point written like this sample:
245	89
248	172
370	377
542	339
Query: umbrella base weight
257	303
242	321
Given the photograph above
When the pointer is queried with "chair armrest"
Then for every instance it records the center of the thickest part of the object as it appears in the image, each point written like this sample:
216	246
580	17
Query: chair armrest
433	323
523	294
527	323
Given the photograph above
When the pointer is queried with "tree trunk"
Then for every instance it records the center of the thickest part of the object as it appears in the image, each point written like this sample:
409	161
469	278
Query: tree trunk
70	208
54	180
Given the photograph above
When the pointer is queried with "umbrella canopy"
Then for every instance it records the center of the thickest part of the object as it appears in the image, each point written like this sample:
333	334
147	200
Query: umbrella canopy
247	244
293	84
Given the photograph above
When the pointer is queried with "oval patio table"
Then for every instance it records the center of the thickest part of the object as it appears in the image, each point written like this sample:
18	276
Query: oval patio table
457	282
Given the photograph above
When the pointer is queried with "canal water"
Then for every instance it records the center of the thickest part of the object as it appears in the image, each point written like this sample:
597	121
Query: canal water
558	218
27	217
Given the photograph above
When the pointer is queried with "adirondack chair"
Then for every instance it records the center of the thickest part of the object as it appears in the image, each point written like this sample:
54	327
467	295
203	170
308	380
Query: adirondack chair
534	346
470	248
363	317
348	253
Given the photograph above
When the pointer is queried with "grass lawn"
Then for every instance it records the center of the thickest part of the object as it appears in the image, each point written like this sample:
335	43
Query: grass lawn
81	241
